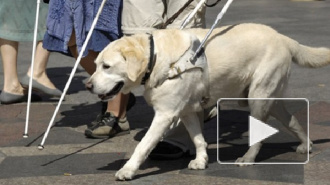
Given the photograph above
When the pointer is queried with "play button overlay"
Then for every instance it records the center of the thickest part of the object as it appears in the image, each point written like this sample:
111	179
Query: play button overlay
238	130
258	131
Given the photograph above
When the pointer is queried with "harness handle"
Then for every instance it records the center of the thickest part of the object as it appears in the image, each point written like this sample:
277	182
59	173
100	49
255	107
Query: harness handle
219	17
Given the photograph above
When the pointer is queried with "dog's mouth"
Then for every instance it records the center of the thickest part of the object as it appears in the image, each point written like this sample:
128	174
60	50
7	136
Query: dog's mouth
115	90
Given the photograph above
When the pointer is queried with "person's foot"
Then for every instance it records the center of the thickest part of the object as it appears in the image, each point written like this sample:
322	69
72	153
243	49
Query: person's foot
14	88
103	124
131	102
44	80
107	126
54	92
15	93
167	151
10	98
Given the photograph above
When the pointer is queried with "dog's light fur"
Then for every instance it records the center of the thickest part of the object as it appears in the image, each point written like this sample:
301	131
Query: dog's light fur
246	60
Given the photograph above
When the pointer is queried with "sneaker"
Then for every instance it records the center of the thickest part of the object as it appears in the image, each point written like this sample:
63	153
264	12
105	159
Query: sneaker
131	102
167	151
108	126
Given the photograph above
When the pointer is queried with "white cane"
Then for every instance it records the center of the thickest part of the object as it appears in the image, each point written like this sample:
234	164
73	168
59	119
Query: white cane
67	85
25	135
219	17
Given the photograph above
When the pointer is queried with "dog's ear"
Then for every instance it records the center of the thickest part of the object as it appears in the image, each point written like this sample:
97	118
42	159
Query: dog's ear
135	53
135	63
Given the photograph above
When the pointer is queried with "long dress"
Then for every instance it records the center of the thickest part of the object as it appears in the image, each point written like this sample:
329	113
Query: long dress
17	19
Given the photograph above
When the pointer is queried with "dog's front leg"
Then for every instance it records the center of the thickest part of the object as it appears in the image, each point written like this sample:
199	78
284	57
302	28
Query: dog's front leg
159	125
193	126
250	156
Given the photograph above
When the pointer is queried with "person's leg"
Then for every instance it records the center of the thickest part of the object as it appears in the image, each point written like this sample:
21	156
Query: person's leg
117	106
40	64
9	51
86	62
41	82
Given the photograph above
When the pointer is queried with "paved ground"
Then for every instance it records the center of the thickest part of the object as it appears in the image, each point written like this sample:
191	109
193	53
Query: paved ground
88	161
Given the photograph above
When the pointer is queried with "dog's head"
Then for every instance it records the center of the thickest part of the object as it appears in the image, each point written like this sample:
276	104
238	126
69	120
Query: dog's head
120	67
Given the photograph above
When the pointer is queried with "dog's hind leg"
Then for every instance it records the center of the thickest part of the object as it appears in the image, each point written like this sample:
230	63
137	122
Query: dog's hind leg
259	110
289	121
159	126
193	126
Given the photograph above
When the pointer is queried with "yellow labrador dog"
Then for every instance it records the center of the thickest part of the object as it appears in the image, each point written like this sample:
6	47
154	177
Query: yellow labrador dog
245	60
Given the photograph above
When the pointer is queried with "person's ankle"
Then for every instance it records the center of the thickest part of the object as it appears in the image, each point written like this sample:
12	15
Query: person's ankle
42	78
14	89
117	115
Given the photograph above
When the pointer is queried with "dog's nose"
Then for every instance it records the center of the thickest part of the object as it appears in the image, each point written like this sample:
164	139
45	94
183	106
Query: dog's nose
89	86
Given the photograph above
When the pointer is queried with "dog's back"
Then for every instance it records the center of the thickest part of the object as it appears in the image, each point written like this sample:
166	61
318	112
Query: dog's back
247	56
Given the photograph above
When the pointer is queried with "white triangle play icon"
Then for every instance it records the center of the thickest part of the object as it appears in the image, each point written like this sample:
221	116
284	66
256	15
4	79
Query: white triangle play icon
259	131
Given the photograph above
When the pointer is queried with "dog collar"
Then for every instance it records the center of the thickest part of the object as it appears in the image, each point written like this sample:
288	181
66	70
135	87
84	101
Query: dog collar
152	59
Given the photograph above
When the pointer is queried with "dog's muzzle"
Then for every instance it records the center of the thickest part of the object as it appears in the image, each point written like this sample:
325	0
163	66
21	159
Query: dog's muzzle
114	91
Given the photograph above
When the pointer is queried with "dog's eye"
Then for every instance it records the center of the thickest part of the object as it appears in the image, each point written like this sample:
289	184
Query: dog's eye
105	66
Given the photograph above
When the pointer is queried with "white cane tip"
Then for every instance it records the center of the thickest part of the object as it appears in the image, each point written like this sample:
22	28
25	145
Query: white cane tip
25	135
40	147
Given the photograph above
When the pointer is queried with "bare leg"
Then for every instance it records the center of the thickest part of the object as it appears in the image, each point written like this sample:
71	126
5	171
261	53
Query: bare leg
117	106
88	61
40	64
9	51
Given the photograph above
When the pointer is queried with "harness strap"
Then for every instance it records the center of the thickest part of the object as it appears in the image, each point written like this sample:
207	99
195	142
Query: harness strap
174	16
187	63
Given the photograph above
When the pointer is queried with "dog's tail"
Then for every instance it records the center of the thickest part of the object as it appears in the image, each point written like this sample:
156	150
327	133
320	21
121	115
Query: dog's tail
309	56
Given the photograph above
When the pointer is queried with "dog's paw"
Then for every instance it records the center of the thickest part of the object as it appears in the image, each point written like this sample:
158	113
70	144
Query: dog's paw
124	174
197	164
243	161
303	149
